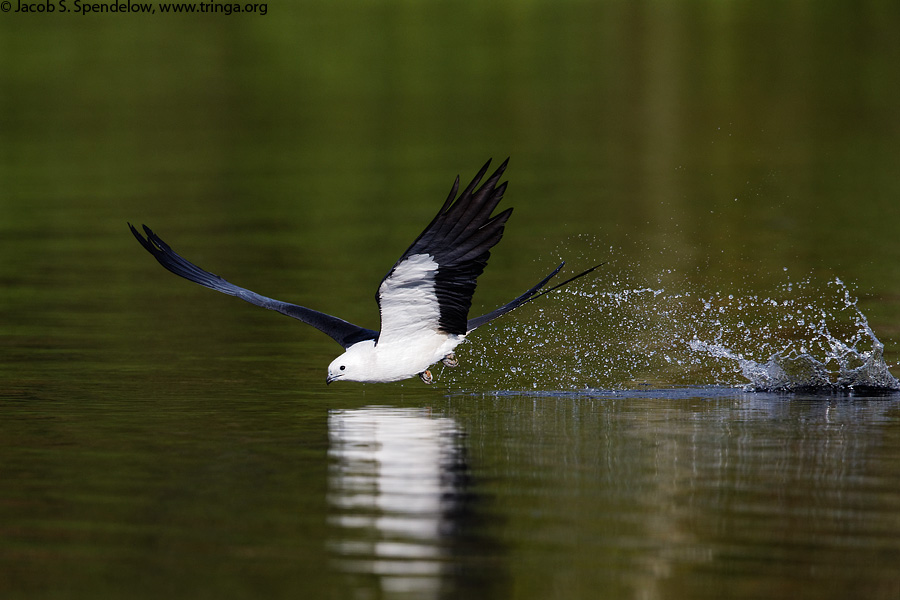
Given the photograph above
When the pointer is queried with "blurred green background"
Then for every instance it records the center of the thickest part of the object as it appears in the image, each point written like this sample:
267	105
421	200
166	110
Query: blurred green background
298	152
155	432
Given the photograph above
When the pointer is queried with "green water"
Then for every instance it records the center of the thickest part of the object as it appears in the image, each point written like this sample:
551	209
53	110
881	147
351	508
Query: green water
730	161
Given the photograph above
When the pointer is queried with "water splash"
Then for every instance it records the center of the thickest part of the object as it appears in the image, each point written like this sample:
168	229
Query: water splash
820	354
624	332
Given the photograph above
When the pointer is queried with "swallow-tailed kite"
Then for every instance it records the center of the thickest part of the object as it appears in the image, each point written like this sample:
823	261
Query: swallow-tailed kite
424	300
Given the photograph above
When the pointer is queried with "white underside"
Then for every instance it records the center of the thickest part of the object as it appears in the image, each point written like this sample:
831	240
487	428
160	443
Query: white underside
380	363
409	341
395	361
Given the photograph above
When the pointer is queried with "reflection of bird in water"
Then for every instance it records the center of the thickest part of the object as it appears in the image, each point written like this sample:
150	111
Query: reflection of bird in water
424	300
397	488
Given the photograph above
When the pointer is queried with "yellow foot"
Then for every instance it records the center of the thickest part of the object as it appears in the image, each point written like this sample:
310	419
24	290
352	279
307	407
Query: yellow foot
426	376
450	360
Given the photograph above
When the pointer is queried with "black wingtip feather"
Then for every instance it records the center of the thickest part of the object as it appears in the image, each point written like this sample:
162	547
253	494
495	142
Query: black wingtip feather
477	179
472	211
450	198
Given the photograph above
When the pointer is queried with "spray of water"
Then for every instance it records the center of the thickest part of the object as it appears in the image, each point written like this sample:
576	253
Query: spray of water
806	341
624	333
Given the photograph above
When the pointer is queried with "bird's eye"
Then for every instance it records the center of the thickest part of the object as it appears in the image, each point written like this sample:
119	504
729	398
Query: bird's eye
343	367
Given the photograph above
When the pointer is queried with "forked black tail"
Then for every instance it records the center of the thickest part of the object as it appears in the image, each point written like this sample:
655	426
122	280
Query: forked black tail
534	293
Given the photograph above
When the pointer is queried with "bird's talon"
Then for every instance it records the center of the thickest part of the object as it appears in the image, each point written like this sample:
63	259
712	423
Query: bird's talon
426	376
450	360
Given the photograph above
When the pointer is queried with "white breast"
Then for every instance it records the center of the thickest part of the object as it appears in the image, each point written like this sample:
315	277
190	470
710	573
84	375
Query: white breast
396	360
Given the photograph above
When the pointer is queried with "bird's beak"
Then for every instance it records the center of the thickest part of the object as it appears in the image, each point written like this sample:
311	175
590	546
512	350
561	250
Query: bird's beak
329	379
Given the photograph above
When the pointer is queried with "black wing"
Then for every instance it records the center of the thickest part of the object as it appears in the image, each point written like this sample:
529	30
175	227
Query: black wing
344	333
457	242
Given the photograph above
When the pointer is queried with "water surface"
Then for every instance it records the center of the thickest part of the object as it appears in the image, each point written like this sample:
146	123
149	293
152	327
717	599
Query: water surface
734	164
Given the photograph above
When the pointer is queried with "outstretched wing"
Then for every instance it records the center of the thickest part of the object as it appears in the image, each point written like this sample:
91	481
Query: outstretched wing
344	333
430	288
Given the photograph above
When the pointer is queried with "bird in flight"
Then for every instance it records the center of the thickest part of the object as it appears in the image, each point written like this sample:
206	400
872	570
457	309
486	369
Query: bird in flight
424	300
